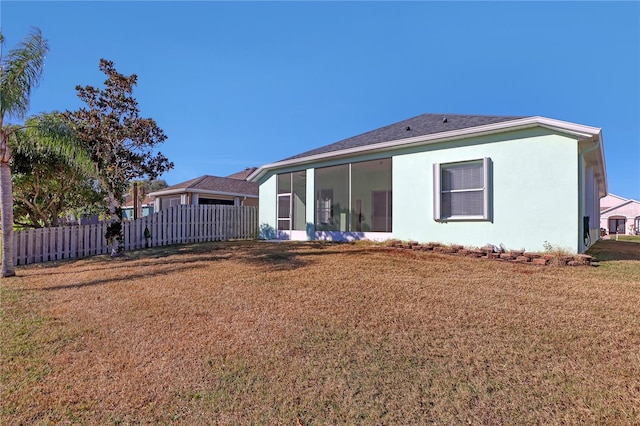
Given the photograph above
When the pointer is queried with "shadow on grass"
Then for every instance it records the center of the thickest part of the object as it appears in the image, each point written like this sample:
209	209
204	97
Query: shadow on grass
185	253
128	277
108	264
607	250
270	256
289	255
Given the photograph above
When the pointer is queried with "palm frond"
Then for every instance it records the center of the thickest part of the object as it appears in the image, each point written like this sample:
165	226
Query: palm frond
51	134
20	73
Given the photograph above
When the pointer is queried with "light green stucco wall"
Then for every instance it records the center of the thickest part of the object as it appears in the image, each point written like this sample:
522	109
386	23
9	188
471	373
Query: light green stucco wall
534	192
267	207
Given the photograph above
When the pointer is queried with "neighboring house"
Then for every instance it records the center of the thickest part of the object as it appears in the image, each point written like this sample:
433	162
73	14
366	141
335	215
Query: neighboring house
611	200
454	179
146	207
208	190
620	215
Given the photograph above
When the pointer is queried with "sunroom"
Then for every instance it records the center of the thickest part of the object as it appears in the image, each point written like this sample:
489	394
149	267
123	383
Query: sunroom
349	201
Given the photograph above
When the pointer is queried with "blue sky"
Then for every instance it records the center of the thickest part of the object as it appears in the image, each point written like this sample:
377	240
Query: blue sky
239	84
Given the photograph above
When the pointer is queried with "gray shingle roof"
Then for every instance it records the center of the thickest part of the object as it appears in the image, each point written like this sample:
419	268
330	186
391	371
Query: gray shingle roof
425	124
217	184
243	173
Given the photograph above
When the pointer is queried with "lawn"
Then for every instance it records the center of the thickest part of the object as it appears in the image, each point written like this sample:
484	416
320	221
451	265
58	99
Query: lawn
319	333
633	238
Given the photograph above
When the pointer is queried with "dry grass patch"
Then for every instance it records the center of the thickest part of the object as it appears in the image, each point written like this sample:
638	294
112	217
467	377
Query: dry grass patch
275	333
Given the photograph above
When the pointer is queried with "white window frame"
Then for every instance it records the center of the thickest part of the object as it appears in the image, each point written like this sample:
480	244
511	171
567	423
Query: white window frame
281	214
173	201
438	191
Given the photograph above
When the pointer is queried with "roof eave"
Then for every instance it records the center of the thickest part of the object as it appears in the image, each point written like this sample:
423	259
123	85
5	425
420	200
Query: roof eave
200	191
167	192
573	129
230	194
603	164
599	161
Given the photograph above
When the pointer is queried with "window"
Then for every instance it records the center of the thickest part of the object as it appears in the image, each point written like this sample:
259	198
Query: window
291	208
170	202
371	193
354	197
617	225
461	190
284	201
215	201
332	198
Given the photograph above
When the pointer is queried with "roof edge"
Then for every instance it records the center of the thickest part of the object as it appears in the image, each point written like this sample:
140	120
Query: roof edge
617	206
578	130
199	191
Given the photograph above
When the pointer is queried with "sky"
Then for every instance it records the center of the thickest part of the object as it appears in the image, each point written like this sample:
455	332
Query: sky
242	84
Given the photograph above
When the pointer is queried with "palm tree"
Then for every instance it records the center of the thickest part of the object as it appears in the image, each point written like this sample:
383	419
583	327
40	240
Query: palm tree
20	72
50	173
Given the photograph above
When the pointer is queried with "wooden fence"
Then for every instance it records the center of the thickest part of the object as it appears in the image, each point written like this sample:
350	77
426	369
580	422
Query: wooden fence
175	225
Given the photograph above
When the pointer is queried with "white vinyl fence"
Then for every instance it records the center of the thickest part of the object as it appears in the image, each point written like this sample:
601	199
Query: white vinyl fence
175	225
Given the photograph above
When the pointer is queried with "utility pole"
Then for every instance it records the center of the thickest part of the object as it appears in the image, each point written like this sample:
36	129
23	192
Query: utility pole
135	200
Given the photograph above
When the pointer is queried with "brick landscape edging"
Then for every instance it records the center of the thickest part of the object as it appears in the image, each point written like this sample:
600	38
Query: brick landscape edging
490	252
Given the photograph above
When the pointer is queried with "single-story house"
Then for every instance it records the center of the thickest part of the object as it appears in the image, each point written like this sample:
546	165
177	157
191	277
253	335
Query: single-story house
619	215
231	190
523	182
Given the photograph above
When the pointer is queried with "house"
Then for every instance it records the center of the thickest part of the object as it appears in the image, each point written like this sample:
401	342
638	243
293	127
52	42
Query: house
523	182
146	206
231	190
619	215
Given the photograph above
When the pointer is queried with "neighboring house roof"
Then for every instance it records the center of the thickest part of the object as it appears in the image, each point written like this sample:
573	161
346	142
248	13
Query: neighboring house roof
242	175
611	200
212	185
626	208
433	128
128	201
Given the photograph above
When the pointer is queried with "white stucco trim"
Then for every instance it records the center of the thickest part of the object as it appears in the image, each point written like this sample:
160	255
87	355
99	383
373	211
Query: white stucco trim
578	131
352	236
337	236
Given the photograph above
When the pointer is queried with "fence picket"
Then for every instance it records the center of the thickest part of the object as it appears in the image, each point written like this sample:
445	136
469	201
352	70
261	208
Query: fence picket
22	251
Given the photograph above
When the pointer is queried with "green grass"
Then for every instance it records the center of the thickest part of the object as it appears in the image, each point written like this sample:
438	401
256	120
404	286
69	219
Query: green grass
631	238
611	250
